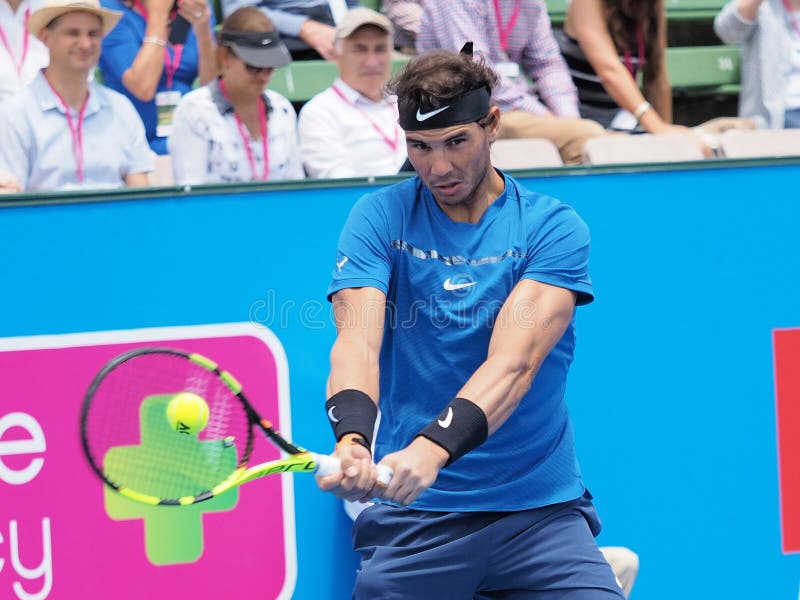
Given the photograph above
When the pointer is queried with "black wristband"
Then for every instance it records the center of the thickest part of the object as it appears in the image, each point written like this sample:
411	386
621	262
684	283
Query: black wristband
461	427
352	411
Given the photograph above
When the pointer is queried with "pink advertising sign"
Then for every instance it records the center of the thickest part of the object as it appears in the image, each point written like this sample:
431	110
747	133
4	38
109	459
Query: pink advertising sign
63	535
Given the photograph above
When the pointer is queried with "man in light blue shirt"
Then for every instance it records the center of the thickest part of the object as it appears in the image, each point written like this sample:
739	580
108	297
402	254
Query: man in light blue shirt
61	132
306	26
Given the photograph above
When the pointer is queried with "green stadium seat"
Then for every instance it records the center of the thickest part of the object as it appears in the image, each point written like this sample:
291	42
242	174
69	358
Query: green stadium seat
704	68
373	4
557	9
693	9
302	79
713	69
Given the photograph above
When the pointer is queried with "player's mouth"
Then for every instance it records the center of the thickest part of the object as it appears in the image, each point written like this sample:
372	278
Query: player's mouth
447	188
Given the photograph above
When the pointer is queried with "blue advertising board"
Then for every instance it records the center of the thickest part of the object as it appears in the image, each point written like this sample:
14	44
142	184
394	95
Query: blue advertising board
672	391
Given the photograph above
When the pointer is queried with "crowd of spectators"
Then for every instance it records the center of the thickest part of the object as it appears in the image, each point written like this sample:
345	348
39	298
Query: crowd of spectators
196	90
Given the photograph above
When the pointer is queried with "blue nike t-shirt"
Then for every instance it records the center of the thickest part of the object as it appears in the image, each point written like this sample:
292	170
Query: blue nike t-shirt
445	283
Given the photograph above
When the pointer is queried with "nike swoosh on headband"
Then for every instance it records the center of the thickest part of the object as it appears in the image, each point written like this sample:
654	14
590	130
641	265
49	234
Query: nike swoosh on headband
425	116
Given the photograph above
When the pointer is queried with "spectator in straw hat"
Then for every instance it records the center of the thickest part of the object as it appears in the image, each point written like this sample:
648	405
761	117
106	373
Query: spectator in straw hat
61	131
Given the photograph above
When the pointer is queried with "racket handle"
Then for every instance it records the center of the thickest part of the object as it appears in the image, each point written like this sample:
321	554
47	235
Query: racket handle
328	465
385	474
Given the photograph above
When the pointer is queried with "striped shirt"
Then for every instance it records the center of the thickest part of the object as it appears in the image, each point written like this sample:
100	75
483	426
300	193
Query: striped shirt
449	24
591	91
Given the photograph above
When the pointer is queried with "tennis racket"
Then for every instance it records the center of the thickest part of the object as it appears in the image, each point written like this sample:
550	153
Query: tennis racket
135	443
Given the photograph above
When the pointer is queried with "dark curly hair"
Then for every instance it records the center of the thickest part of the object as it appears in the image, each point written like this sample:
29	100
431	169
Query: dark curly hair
433	78
622	17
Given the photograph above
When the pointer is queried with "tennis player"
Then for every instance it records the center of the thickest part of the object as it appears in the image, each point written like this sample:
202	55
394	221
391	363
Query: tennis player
453	295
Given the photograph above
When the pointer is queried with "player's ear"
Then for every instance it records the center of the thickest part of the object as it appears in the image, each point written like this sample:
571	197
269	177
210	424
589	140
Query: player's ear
492	123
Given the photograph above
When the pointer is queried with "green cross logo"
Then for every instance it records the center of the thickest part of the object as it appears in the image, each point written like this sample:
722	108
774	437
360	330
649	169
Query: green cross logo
172	534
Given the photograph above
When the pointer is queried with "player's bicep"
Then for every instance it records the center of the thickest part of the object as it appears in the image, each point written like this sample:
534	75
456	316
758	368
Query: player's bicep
558	254
531	321
364	253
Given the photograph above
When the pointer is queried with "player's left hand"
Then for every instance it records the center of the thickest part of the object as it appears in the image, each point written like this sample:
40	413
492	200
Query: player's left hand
415	468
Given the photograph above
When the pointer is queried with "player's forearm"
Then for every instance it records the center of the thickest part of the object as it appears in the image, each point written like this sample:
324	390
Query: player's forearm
354	365
530	324
499	384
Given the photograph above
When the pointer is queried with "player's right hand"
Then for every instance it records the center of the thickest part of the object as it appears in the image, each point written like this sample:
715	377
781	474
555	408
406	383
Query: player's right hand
414	468
358	476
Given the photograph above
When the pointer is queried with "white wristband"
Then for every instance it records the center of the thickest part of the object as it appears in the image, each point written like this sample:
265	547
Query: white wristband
641	110
154	40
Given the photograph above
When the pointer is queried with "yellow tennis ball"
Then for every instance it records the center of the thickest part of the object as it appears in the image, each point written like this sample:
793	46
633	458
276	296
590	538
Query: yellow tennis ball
187	413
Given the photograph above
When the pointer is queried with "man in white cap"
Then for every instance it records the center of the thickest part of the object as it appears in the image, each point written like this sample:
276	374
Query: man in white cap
62	132
351	129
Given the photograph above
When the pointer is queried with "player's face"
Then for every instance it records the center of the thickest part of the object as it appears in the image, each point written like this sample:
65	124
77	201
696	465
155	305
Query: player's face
364	60
454	162
74	41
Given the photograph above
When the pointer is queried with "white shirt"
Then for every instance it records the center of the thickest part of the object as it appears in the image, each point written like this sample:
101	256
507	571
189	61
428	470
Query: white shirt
350	136
207	147
792	95
14	31
37	147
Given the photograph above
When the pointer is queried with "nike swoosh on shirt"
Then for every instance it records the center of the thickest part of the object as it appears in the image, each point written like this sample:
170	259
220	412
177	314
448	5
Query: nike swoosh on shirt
445	423
450	287
421	116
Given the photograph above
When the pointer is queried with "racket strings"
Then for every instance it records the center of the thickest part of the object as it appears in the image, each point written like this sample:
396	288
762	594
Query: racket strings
131	443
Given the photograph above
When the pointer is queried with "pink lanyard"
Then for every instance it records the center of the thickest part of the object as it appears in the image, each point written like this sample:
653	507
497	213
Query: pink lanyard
792	20
262	126
171	66
627	55
505	30
391	142
17	65
171	63
75	130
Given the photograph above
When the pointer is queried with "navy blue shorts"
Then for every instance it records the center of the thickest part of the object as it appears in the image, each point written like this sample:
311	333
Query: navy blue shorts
546	553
